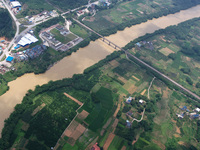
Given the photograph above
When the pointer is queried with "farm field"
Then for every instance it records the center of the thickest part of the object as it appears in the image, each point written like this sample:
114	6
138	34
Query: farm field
123	12
116	111
33	7
107	88
175	53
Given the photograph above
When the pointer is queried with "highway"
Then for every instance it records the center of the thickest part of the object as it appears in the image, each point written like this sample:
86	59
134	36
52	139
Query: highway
139	60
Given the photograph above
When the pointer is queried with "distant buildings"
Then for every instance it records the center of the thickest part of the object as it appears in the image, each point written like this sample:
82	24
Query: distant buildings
9	59
141	101
128	100
27	40
30	53
15	4
128	124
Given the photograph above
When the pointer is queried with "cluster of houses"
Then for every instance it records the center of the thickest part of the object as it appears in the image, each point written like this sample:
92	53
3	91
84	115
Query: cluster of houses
146	44
129	100
3	45
29	53
4	69
91	8
41	16
194	114
130	113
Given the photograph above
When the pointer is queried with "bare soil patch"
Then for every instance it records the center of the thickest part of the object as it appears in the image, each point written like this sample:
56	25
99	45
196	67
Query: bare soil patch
162	146
134	141
178	130
123	148
135	78
38	109
71	141
165	93
181	143
91	19
166	51
102	132
78	132
74	99
116	111
25	126
173	121
83	115
177	135
114	63
107	123
188	58
115	123
71	128
108	141
143	91
132	89
122	79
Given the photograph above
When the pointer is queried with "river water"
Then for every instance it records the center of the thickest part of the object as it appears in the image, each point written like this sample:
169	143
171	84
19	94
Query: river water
85	57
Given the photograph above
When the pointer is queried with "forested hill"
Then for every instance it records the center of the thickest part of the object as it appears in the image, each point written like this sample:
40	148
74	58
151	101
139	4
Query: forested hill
6	25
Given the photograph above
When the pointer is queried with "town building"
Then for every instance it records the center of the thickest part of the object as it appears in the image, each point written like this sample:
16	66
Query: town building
9	59
27	40
15	4
128	124
128	100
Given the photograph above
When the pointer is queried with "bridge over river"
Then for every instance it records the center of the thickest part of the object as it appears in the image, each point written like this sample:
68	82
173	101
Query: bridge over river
139	60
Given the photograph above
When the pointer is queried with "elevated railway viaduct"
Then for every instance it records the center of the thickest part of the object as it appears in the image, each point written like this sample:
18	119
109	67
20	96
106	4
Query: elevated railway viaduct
139	60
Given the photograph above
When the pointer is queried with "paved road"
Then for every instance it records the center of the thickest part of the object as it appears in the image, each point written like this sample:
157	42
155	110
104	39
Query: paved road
6	50
139	60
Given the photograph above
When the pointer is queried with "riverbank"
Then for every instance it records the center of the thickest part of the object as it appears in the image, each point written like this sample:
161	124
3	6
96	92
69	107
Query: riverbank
84	58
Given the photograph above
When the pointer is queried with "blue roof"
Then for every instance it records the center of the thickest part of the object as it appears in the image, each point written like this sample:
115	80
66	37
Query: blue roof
184	108
138	44
197	115
9	58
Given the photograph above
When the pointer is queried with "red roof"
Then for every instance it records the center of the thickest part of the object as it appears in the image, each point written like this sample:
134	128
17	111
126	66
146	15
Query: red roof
95	147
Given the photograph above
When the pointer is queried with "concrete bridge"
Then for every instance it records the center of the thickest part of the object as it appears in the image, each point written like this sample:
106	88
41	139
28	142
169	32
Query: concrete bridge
139	60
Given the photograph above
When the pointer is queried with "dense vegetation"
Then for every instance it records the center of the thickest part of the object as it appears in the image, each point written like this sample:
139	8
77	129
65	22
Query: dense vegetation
53	122
33	7
183	39
68	4
111	26
6	25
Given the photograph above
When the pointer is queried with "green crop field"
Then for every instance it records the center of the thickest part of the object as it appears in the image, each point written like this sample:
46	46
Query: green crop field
116	143
76	29
127	11
61	38
102	111
172	57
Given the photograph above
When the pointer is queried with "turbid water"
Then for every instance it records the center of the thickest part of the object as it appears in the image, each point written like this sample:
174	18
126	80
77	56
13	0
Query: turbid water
85	57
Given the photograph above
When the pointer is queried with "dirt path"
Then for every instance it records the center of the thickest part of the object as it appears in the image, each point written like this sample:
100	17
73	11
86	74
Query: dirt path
108	141
74	99
150	86
162	146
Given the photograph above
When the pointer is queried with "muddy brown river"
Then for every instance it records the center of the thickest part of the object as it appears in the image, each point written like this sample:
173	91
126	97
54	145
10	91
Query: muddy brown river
85	57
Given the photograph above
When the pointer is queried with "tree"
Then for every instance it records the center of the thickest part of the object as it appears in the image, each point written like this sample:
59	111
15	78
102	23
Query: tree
189	80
